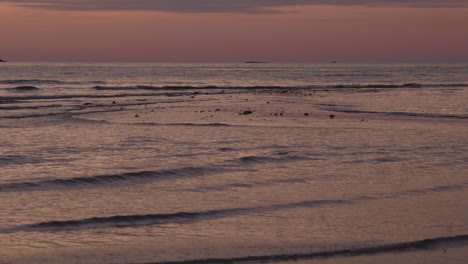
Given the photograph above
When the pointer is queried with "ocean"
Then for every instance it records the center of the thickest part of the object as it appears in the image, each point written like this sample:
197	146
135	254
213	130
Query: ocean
135	163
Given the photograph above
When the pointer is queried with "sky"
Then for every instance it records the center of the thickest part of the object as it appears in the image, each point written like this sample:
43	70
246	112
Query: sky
234	31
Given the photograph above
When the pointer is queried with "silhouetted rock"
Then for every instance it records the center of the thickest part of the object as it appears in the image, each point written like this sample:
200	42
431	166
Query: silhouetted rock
2	60
331	116
247	112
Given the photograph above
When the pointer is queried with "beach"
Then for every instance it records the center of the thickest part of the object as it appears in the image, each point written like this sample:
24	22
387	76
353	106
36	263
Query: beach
355	164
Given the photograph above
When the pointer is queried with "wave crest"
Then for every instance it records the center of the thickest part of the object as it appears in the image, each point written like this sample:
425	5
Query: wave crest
152	219
417	245
100	180
272	87
45	82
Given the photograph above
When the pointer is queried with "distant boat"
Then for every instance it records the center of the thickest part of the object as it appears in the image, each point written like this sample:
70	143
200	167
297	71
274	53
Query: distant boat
255	62
2	60
333	62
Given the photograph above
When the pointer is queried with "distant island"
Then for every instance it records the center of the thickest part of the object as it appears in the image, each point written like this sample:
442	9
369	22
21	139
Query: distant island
255	62
2	60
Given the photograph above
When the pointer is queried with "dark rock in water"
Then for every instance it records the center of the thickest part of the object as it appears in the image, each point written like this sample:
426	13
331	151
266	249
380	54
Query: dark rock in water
306	114
247	112
26	88
331	116
2	60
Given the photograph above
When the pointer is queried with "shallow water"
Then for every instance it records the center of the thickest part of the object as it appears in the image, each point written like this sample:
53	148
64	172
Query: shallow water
127	174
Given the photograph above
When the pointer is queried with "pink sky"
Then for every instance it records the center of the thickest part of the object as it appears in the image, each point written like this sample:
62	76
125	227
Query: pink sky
308	33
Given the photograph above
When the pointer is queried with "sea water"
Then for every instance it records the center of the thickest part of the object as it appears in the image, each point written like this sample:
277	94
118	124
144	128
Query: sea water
222	163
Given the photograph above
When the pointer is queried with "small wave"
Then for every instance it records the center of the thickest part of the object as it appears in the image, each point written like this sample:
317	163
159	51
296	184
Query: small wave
160	88
246	185
122	221
152	219
50	82
377	160
99	180
195	124
34	115
115	88
415	85
9	99
350	75
181	124
227	149
266	159
442	188
184	217
6	160
273	87
28	107
188	124
25	88
401	113
405	85
417	245
209	87
142	176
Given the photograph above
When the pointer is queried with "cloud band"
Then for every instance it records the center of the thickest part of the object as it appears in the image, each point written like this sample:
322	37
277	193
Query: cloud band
210	6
